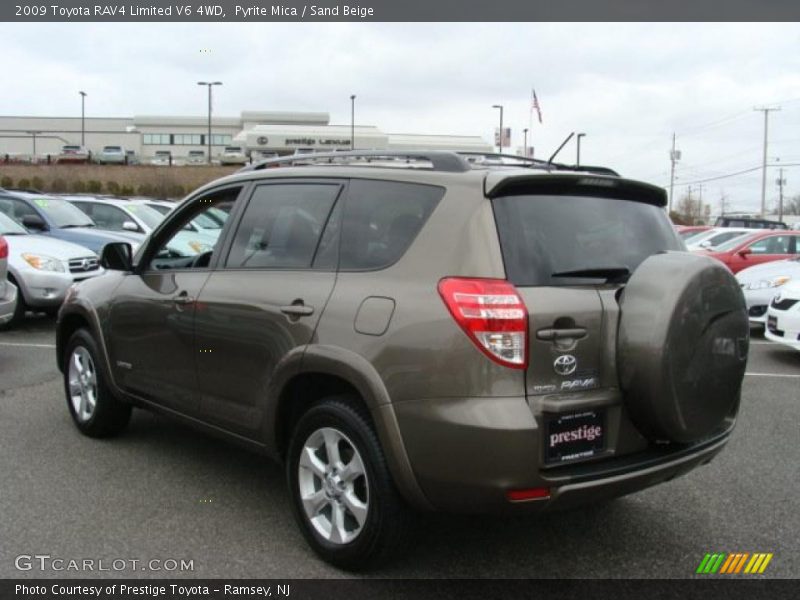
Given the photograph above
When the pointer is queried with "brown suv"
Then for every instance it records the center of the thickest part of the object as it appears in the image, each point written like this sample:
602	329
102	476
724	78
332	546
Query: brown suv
415	331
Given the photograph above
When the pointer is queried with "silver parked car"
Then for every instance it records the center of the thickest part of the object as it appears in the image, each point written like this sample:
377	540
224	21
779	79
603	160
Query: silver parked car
761	283
43	268
111	155
8	291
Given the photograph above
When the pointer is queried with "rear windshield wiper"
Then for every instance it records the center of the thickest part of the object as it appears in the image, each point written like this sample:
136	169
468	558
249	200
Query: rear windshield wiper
73	226
610	274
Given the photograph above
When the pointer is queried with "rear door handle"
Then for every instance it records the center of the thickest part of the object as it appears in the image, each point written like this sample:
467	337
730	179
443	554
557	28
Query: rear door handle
297	310
560	334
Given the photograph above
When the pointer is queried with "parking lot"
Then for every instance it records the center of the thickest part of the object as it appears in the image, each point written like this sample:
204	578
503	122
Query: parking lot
161	491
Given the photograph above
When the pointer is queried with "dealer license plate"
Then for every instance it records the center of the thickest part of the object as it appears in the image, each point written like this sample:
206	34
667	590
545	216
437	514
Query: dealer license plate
574	436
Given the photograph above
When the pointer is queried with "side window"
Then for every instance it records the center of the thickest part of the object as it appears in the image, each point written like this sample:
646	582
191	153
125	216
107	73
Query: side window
20	210
381	219
282	225
778	244
182	248
108	217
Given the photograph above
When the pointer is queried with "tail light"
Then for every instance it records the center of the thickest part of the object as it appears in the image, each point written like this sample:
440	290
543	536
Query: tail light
492	314
3	247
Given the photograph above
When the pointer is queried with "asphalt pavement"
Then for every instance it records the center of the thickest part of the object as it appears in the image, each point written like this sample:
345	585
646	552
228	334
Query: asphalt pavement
164	492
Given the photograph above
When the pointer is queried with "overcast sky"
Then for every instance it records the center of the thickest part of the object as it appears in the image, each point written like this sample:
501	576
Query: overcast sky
627	86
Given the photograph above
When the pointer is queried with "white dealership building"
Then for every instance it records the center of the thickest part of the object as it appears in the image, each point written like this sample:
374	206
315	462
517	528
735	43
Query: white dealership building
281	132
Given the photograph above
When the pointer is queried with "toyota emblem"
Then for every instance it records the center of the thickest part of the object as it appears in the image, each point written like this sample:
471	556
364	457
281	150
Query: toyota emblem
262	140
565	364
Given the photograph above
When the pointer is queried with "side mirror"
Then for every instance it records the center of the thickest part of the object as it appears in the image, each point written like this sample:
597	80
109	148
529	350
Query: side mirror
34	222
130	226
744	252
117	256
706	244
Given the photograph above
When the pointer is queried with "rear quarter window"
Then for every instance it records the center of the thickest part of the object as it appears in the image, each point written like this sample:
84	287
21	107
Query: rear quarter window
545	234
381	220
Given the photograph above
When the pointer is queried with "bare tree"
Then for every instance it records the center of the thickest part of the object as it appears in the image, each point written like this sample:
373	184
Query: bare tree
693	211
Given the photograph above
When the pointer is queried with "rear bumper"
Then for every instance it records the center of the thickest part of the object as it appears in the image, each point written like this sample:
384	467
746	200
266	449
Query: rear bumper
467	453
8	303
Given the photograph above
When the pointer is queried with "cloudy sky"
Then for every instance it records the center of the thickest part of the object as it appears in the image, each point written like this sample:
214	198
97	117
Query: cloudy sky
627	86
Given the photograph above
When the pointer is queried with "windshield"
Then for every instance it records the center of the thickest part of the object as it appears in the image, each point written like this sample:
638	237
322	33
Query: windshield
723	237
545	238
62	213
151	218
9	226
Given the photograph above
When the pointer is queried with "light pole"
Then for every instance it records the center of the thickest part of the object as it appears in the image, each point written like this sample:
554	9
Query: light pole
353	122
33	134
674	156
83	118
525	142
500	137
578	159
209	84
766	112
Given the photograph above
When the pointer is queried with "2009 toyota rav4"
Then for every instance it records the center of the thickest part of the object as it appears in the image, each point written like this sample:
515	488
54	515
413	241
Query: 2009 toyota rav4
412	331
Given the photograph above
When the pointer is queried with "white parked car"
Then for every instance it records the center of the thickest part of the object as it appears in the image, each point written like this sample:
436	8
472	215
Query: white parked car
708	240
8	291
760	283
43	268
233	155
196	157
783	316
72	153
161	158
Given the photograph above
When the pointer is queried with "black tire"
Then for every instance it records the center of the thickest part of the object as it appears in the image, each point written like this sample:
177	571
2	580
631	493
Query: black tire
385	531
110	415
682	346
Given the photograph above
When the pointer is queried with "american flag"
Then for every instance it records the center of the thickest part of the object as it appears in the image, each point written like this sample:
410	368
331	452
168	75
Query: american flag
535	105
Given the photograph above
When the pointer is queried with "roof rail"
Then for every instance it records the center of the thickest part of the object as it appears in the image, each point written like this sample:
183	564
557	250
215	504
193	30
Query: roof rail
439	160
512	160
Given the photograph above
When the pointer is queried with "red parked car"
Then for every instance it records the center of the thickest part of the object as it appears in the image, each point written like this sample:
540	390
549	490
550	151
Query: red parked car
687	231
760	247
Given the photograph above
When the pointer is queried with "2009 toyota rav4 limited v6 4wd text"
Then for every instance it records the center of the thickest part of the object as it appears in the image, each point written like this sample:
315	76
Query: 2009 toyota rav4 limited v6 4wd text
413	331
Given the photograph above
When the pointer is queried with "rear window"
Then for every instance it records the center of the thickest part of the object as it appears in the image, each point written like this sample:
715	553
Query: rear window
541	235
112	149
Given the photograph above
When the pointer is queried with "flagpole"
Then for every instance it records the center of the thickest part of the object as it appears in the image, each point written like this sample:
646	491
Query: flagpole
530	122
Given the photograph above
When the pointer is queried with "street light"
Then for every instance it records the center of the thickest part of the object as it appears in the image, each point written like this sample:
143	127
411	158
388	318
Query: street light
525	142
353	122
210	84
83	118
33	134
500	137
578	161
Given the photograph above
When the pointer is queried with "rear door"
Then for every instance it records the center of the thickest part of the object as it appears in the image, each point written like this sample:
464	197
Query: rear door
568	249
264	302
768	249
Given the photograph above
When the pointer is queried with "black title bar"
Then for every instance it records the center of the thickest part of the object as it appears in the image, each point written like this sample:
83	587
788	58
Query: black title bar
399	10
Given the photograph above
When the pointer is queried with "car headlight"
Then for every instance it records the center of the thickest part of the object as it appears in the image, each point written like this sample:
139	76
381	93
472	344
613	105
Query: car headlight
44	263
200	247
763	284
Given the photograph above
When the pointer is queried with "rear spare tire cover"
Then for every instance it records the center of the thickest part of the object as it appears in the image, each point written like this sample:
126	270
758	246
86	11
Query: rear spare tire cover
682	346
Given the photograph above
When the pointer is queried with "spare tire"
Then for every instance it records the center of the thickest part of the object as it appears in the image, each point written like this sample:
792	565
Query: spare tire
682	346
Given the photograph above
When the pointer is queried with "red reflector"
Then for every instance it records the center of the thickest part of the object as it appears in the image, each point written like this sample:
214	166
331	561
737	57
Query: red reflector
3	247
531	494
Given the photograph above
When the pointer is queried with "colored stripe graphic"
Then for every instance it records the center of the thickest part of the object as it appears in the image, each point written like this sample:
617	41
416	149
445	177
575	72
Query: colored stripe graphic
733	563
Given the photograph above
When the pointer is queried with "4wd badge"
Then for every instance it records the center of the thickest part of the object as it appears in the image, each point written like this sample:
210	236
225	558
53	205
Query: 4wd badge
565	364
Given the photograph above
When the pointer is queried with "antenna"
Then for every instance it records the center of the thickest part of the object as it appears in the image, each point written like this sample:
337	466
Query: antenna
564	143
